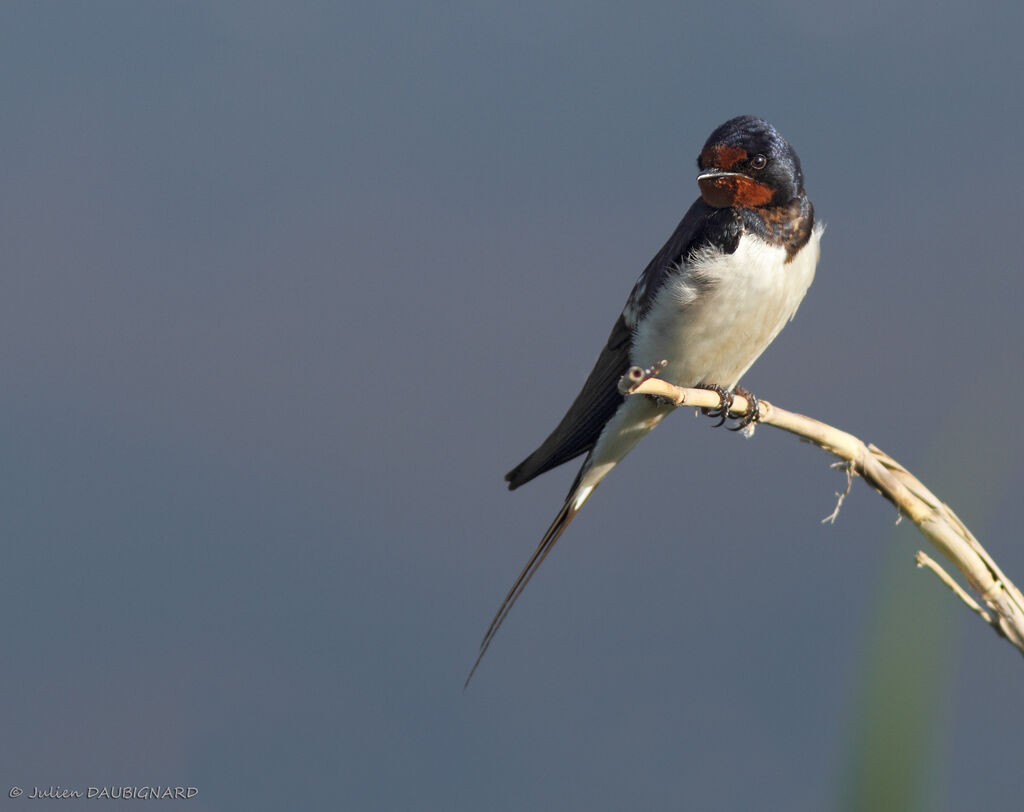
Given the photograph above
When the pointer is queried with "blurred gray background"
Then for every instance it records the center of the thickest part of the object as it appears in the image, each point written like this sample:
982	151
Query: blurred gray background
287	288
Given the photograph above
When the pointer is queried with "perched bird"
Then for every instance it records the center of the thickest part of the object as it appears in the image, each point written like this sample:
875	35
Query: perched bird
713	298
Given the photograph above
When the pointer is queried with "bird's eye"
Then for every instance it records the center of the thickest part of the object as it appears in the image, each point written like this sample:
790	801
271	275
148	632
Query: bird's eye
758	162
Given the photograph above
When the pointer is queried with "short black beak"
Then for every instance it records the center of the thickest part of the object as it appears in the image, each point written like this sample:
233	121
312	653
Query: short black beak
713	173
718	187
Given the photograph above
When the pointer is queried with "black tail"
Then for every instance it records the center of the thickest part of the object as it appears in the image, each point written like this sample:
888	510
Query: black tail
562	520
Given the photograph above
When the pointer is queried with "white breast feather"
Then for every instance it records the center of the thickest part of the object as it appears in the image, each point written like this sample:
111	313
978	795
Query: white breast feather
715	319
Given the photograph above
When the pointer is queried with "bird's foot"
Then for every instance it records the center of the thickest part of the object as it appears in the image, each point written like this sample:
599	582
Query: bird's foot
753	413
724	401
725	397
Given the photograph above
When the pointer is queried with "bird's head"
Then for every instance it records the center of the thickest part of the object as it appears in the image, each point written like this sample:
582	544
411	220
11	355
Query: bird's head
746	163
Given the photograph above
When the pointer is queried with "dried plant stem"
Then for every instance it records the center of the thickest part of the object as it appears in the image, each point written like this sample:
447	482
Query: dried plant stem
933	518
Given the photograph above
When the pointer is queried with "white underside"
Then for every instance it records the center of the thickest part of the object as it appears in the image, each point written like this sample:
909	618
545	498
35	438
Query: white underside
710	324
713	335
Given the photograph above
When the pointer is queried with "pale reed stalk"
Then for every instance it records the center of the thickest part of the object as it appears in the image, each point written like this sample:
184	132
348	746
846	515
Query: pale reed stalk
999	603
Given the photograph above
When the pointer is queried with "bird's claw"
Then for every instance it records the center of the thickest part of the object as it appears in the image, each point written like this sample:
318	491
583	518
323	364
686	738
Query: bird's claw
753	413
724	403
725	398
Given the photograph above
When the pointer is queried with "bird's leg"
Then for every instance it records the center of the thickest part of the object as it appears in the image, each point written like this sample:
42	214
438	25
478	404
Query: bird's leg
724	401
753	409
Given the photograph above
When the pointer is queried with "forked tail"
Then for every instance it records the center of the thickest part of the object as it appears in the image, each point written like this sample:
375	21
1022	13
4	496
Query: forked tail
568	512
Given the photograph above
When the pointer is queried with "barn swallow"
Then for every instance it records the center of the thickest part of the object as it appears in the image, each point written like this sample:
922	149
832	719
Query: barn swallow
713	298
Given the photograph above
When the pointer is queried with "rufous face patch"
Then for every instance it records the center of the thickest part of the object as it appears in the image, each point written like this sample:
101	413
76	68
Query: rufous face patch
722	191
722	156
